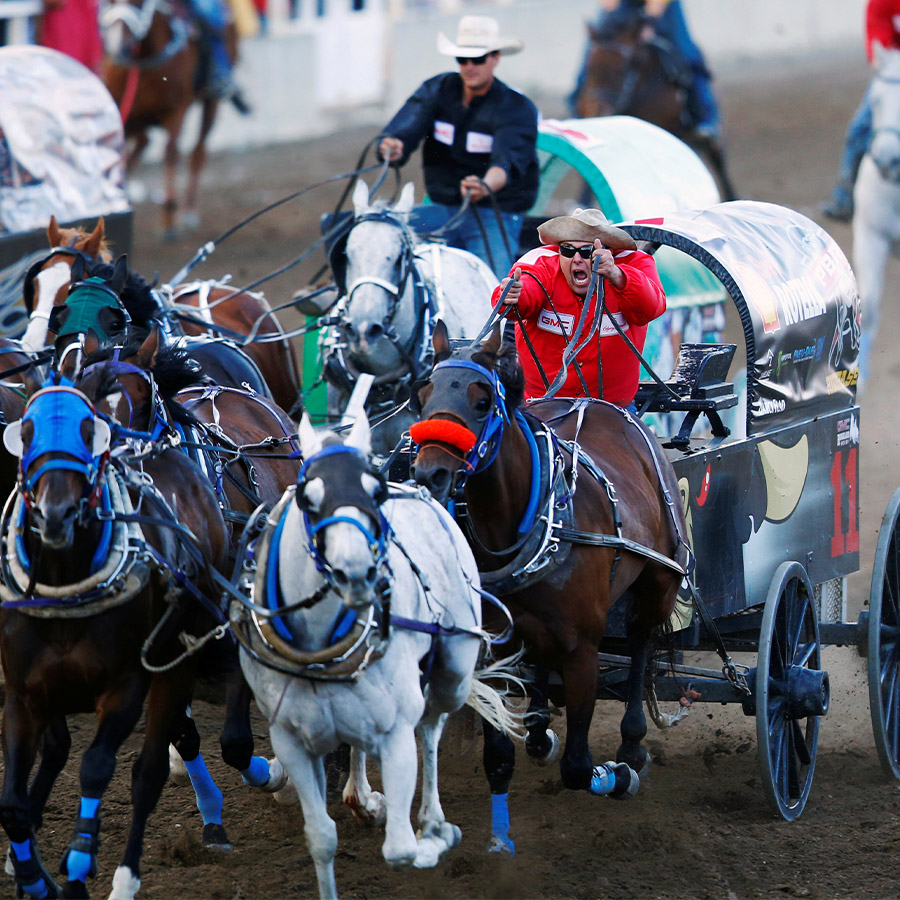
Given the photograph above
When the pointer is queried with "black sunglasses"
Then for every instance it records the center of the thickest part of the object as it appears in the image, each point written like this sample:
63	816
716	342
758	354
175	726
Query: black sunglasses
475	60
568	251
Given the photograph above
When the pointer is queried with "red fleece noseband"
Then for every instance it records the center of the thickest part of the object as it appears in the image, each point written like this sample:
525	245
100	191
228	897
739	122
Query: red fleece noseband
443	431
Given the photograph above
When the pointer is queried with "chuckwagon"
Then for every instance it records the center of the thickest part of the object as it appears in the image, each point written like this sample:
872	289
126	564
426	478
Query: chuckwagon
772	508
61	144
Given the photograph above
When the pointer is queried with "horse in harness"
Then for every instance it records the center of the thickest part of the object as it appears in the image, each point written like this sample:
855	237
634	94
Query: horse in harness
362	624
569	505
394	287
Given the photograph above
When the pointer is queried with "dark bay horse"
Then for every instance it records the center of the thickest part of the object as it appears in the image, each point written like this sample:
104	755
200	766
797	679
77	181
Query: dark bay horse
627	75
559	547
151	70
101	582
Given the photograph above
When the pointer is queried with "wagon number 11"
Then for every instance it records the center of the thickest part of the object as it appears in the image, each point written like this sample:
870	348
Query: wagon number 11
844	543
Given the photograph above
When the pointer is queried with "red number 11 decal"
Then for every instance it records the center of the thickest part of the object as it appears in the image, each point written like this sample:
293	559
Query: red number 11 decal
844	543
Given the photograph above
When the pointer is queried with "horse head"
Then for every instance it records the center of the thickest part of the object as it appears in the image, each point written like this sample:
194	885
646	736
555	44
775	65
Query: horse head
463	409
92	314
62	445
339	496
885	100
379	318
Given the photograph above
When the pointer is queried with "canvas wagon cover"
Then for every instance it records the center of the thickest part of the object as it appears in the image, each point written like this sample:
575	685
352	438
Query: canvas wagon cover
635	170
796	296
61	141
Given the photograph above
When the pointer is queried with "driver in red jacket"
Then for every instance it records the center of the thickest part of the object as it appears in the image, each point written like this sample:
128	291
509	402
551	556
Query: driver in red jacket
634	297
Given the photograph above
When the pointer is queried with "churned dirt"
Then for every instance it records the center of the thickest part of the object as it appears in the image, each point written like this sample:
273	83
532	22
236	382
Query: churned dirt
700	827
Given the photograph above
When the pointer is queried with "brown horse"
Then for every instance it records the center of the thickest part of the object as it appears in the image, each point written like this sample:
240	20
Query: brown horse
558	556
197	308
95	608
151	70
630	76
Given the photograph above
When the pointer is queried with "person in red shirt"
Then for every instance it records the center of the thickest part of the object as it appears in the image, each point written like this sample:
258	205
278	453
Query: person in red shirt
883	26
561	270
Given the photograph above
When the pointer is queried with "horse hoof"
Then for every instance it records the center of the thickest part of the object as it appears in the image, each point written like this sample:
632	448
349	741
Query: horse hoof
639	760
372	813
191	220
170	234
551	755
502	845
75	890
215	838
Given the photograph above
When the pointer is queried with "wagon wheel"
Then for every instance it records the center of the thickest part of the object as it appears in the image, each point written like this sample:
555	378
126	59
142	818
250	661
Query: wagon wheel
884	641
790	688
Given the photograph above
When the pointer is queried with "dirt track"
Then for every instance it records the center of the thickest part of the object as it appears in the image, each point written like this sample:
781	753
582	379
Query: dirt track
700	827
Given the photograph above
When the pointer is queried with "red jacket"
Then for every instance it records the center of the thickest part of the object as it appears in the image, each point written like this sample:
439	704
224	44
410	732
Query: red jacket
639	302
880	24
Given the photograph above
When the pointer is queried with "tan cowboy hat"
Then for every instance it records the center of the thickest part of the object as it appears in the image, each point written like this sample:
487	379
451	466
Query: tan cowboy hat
585	225
476	36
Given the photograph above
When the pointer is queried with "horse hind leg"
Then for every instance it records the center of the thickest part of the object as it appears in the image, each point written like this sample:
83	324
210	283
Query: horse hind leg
541	743
191	217
209	797
499	760
433	824
366	805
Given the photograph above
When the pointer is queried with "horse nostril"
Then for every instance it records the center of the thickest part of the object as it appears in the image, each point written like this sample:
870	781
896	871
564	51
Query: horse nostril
371	575
373	332
340	576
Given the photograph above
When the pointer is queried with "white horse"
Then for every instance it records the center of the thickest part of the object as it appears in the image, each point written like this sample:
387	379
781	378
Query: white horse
876	197
361	593
395	287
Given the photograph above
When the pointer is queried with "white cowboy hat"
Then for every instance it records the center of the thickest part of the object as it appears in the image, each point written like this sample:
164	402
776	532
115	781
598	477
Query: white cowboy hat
585	225
476	36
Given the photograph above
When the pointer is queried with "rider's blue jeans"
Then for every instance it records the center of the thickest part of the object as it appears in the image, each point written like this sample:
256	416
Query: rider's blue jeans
466	233
856	143
213	16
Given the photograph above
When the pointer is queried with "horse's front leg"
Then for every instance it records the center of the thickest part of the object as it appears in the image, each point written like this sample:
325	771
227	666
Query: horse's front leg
121	713
21	737
171	158
432	822
196	164
366	805
308	774
168	699
55	747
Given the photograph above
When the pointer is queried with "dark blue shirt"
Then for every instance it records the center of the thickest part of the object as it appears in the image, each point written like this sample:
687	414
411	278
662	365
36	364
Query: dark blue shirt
496	129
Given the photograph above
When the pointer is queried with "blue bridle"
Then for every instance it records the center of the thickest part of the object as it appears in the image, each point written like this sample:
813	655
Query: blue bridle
377	543
487	446
58	413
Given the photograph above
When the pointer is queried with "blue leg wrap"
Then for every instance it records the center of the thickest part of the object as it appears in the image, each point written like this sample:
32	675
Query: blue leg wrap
22	853
257	774
80	864
502	842
209	797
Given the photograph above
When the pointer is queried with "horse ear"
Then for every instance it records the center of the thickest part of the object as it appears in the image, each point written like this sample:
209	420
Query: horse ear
310	444
94	243
492	344
360	435
120	274
12	439
878	54
79	267
54	236
404	205
33	381
360	198
146	355
440	340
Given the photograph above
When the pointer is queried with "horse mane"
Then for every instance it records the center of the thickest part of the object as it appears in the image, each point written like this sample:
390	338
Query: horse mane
137	295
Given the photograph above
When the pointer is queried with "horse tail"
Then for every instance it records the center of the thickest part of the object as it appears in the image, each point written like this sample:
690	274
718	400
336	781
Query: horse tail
494	704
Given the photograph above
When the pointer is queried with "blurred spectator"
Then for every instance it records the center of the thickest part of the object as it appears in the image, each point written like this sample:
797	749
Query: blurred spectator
73	28
663	18
882	25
